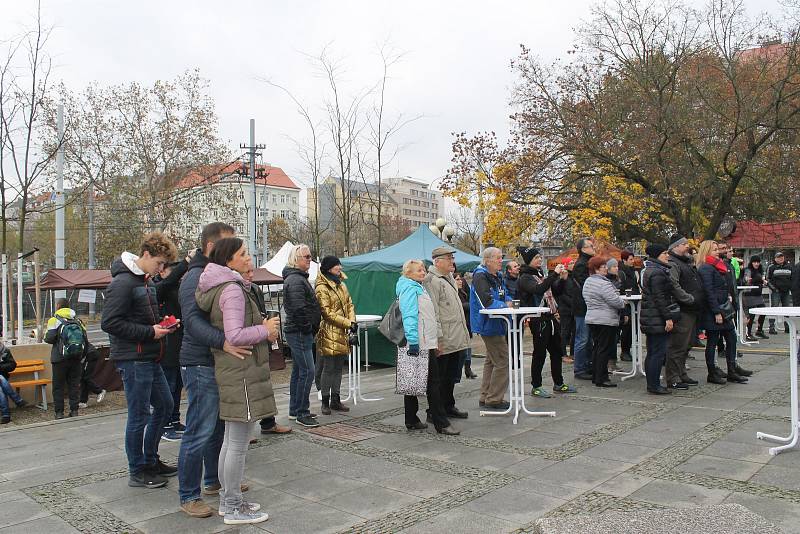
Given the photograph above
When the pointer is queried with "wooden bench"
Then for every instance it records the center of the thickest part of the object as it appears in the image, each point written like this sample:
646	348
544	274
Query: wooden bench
34	367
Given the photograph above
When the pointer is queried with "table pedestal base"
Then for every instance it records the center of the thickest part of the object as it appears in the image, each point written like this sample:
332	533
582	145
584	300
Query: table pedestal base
354	378
516	375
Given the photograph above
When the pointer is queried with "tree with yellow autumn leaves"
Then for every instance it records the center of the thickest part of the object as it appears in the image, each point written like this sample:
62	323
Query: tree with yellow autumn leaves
666	118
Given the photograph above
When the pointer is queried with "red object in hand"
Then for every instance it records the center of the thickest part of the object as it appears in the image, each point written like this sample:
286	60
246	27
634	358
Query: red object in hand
169	322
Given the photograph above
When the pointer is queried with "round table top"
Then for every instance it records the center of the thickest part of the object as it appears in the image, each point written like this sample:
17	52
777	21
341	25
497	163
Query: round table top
529	310
786	311
632	297
747	287
368	318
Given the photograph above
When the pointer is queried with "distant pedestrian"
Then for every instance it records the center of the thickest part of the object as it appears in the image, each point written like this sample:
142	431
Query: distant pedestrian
68	336
779	279
566	302
511	277
754	298
580	273
603	306
463	295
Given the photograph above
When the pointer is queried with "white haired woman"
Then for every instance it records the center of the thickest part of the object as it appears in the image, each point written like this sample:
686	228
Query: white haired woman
302	324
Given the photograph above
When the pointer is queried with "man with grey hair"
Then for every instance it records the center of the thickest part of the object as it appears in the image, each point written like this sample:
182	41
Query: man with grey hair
452	333
489	291
687	288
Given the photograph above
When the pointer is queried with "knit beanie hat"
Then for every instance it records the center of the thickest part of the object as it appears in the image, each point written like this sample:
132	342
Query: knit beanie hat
528	253
754	259
677	240
328	263
612	263
654	250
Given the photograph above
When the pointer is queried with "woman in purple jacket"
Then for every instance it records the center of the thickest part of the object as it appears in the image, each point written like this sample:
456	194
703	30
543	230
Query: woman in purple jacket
245	389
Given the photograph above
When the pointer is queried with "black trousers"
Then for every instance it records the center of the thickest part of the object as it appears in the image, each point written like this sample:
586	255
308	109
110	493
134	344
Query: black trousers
66	374
604	340
448	369
567	333
546	339
88	387
435	406
626	336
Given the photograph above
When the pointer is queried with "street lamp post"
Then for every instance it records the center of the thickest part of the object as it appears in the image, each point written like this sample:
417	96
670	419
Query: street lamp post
442	230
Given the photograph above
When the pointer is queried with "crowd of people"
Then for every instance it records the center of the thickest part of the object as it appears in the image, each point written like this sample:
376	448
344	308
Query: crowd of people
200	325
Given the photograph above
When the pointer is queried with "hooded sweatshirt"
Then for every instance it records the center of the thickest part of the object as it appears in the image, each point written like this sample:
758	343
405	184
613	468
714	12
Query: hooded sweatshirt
130	310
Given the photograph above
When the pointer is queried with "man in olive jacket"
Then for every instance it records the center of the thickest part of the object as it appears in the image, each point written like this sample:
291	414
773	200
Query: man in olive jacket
453	336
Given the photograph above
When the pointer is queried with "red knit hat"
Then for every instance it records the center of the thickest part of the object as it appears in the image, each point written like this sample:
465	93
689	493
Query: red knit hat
566	261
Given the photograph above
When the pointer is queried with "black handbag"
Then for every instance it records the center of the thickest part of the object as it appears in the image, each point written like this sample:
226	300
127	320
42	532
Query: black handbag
727	310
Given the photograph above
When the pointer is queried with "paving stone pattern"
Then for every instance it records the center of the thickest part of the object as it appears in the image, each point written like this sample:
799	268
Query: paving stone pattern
673	435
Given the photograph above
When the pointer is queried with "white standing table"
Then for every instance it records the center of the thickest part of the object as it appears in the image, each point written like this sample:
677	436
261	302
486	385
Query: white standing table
741	321
637	347
792	317
354	361
515	319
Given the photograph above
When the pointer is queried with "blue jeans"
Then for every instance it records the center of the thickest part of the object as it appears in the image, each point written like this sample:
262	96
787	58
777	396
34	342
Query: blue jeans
466	357
581	346
302	372
656	356
6	389
204	433
145	387
173	376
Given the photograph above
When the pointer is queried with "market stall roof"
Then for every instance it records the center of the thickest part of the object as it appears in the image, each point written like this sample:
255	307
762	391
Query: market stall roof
605	250
263	277
56	279
276	264
751	234
418	245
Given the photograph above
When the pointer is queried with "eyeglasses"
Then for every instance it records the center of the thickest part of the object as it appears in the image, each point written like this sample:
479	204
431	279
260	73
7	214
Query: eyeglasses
306	257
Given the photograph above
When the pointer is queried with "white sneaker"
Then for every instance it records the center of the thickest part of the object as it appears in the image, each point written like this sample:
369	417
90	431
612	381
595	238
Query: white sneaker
101	396
252	506
82	405
244	515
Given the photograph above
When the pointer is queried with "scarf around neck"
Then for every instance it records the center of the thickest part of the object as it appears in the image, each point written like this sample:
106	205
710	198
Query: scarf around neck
717	263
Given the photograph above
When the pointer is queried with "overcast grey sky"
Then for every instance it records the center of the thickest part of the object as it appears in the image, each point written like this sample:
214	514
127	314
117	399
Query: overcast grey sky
455	72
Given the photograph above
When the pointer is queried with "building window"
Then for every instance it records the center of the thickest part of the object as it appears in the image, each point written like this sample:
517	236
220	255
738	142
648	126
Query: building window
283	199
274	199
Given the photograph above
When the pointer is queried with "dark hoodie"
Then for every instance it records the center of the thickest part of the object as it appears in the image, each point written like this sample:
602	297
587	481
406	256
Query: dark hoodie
300	303
531	292
130	310
199	336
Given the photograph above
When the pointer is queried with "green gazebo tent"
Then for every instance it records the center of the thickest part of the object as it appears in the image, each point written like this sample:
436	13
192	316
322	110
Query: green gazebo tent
371	279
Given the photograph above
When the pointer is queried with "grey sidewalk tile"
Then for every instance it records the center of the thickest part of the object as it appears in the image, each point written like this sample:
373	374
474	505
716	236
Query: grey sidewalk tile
535	438
515	506
311	518
21	511
151	503
422	483
623	453
780	476
180	523
116	489
720	467
739	451
785	514
11	496
584	472
623	484
547	487
462	521
277	473
44	525
484	459
529	467
371	501
677	495
319	486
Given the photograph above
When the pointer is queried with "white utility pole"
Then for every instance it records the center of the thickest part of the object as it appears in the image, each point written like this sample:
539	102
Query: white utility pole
60	196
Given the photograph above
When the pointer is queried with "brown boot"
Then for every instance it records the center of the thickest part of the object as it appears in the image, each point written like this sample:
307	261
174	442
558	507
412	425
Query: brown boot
197	508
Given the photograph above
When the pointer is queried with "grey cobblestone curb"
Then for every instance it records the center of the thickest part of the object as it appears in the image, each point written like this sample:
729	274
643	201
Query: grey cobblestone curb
775	397
76	510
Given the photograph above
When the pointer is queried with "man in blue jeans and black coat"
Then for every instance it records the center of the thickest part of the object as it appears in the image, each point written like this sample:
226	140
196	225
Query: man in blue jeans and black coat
582	367
131	320
202	439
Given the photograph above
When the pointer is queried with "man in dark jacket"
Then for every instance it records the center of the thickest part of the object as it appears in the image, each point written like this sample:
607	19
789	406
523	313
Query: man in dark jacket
511	278
630	282
779	281
796	284
688	291
580	273
565	309
131	317
66	362
657	319
167	282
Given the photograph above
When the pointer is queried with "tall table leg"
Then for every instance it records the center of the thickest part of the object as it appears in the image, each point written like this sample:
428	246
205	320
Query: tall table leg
792	439
636	345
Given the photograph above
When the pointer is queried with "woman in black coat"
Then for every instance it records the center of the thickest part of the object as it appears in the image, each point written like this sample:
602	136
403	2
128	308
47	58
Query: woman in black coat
658	314
753	298
713	275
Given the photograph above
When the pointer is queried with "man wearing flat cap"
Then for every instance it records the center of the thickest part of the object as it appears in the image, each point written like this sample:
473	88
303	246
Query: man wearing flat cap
687	288
452	332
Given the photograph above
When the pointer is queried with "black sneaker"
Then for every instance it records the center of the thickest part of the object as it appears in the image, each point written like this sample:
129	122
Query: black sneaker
762	335
146	479
307	420
689	381
678	385
162	469
5	419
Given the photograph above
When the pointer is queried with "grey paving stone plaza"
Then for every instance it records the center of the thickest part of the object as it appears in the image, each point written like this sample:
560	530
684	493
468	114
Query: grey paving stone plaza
619	451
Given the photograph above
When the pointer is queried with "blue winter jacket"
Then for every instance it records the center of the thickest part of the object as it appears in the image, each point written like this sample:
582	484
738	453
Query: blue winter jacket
408	291
487	291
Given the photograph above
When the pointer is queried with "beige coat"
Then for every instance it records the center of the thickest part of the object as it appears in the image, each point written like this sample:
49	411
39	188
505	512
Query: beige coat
452	332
